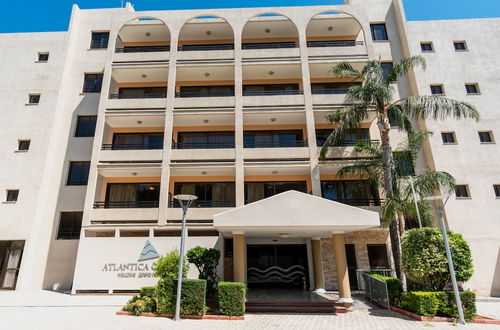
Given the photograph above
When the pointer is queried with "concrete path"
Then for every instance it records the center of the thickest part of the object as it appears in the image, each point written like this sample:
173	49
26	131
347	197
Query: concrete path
489	307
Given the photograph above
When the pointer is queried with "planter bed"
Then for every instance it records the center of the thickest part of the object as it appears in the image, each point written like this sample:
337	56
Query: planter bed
192	317
476	319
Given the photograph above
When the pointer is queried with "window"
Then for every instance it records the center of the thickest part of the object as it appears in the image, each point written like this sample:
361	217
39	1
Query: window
426	46
377	256
386	68
379	32
99	40
34	98
132	195
448	137
460	46
70	225
472	88
92	83
462	191
43	57
486	137
78	173
496	188
24	145
12	195
85	126
403	162
437	90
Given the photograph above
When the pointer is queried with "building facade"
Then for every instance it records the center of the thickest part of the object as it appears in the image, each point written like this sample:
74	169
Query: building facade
111	119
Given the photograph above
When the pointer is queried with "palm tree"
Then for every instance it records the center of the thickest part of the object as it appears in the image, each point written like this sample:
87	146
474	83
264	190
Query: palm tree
376	93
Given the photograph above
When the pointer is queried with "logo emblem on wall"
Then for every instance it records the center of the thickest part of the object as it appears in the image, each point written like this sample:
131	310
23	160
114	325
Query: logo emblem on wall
148	252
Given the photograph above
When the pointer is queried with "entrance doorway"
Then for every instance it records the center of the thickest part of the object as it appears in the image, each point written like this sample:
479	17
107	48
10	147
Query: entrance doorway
352	265
11	253
277	266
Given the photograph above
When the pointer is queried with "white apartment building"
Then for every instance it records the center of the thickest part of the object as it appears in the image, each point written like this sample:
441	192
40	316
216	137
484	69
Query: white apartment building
105	123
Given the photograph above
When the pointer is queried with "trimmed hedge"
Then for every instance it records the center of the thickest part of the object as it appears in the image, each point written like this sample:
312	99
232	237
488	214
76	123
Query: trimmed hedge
193	296
439	303
394	286
232	298
148	291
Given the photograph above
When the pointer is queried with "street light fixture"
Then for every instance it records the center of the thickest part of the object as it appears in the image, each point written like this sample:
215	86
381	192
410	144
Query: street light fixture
185	201
448	253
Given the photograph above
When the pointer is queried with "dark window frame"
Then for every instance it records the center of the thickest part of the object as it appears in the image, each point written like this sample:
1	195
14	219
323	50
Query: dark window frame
12	195
462	191
387	67
486	137
496	189
424	49
89	129
34	98
475	86
99	40
75	225
375	32
78	176
371	255
43	57
23	145
445	138
92	83
434	88
459	48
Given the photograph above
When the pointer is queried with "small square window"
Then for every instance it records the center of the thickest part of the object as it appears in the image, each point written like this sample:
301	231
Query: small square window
448	137
70	225
426	47
460	46
85	126
34	99
43	57
379	32
486	137
386	68
24	145
92	83
12	195
437	90
462	191
472	88
496	188
78	173
99	40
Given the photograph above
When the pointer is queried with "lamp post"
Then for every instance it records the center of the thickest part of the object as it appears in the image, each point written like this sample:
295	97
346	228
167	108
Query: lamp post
448	254
185	201
415	202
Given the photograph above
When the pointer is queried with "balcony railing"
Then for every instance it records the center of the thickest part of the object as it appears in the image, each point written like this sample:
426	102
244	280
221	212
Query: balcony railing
268	93
143	49
130	146
186	48
344	43
359	202
138	96
276	144
329	91
268	45
347	143
202	145
204	94
126	205
204	204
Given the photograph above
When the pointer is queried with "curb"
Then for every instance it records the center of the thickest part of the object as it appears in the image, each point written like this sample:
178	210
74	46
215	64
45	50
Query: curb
441	319
191	317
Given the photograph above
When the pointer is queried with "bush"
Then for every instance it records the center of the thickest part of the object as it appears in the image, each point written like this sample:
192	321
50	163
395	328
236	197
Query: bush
206	261
394	286
145	302
424	259
193	296
449	307
148	291
422	303
232	298
167	267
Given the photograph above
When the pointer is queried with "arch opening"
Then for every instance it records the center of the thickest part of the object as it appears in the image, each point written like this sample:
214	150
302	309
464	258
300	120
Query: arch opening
269	31
205	33
145	34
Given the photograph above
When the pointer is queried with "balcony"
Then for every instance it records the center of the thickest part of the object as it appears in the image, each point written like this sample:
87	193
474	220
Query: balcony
272	98
137	96
141	54
202	145
204	204
270	51
373	202
126	205
275	144
197	99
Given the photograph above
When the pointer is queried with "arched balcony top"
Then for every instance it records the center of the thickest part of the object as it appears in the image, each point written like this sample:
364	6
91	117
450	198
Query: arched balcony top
143	34
334	29
206	32
270	30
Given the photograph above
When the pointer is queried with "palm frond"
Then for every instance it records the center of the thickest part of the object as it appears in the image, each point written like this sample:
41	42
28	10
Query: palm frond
394	112
427	183
403	67
345	70
436	107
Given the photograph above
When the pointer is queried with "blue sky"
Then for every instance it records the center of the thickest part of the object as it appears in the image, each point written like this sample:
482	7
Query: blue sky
53	15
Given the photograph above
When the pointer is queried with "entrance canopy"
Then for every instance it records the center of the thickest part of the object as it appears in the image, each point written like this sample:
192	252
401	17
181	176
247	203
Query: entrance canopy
295	214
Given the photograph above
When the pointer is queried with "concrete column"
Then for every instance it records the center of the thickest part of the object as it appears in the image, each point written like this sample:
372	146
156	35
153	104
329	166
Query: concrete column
239	258
341	266
319	280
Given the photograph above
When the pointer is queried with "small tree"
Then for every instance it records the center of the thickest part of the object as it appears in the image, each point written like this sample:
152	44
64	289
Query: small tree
167	267
206	261
424	258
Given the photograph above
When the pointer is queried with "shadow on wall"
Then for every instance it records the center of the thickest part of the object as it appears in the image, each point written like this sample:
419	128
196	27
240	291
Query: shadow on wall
495	286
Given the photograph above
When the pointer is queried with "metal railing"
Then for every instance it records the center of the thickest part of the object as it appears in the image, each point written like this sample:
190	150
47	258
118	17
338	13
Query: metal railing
202	145
204	94
329	91
275	144
125	204
187	48
268	45
143	49
359	201
343	43
130	146
268	93
204	204
138	96
347	143
375	289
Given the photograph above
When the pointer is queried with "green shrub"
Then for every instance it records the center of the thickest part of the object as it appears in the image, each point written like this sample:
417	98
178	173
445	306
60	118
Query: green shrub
232	298
449	307
148	291
206	261
422	303
138	305
394	286
167	267
193	296
424	259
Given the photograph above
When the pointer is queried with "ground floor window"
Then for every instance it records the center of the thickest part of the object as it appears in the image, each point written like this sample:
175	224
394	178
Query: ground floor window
11	253
377	256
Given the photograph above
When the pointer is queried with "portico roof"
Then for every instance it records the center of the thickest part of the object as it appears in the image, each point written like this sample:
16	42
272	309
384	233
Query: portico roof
295	214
